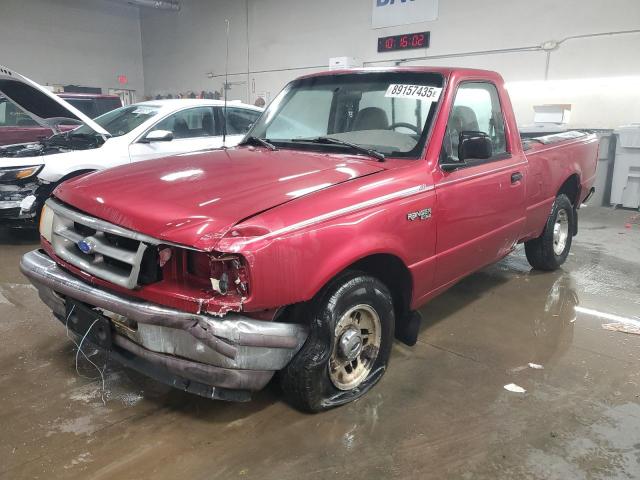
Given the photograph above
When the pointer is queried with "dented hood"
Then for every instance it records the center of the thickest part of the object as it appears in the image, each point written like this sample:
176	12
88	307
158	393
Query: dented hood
39	103
194	199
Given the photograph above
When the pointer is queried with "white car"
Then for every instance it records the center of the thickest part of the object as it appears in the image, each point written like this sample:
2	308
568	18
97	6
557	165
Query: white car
29	172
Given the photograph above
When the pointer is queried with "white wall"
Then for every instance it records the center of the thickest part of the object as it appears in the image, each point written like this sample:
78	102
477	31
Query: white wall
179	49
79	42
288	38
91	42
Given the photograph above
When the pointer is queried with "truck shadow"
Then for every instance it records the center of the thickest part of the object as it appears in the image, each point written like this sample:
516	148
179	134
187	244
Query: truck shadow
503	286
470	289
504	313
216	411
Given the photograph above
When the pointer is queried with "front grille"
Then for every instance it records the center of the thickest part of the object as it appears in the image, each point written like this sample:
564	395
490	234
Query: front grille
112	253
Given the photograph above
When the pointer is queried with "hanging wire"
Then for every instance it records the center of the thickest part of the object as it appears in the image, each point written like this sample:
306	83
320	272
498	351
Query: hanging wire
79	351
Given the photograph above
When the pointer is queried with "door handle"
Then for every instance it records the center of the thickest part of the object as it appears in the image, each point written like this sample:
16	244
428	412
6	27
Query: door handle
516	177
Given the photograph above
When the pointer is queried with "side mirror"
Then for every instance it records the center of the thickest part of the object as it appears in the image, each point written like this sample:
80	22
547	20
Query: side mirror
158	136
474	145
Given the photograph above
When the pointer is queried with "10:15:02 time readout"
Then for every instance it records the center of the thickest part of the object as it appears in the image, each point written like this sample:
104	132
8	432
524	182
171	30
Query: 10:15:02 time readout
403	42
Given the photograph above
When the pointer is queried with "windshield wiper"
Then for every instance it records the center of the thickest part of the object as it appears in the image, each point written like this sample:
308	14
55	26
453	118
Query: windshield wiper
335	141
260	141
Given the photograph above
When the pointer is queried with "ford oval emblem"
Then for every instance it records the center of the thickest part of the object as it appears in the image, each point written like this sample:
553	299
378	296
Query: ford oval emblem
85	246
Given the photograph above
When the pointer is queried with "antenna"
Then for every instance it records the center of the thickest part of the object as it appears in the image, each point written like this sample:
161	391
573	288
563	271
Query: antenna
225	88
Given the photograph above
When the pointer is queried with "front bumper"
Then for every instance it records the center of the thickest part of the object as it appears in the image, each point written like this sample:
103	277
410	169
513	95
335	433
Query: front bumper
17	202
198	353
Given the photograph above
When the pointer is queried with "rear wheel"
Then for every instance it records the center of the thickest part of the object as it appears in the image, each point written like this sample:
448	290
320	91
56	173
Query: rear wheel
349	344
550	250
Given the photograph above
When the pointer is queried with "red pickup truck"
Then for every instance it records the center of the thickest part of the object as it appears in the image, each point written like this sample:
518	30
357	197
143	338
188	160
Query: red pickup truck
355	198
18	127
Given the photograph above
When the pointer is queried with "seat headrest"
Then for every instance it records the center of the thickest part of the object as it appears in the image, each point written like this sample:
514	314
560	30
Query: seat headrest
180	127
371	118
207	124
464	118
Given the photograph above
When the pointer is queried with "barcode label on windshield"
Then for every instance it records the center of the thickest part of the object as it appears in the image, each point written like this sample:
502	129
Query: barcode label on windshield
418	92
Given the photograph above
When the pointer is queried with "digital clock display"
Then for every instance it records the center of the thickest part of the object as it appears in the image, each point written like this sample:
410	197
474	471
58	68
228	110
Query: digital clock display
403	42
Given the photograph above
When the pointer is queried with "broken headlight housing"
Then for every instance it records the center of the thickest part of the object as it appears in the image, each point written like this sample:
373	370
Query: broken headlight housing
227	274
18	173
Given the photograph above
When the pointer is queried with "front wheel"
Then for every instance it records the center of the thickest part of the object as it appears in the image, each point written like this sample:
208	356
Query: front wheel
550	250
347	351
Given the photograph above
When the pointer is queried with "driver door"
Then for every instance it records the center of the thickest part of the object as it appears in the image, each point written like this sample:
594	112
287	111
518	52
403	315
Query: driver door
193	129
480	205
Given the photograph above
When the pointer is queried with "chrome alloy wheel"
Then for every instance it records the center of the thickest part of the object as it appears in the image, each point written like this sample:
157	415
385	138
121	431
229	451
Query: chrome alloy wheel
357	339
560	232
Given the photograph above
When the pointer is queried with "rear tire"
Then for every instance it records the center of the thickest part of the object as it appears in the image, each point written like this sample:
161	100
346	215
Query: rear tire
349	344
550	250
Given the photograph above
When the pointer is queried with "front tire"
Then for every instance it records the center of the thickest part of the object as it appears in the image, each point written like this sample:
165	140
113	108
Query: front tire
349	344
550	250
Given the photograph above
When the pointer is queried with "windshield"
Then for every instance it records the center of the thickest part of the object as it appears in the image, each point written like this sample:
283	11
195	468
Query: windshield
122	120
389	112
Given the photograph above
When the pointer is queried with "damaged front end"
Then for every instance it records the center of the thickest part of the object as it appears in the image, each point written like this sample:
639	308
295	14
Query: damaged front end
223	275
156	270
201	343
18	190
22	193
59	143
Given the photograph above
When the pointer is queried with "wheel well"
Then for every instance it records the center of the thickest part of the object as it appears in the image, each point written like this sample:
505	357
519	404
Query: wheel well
391	271
571	188
387	268
77	173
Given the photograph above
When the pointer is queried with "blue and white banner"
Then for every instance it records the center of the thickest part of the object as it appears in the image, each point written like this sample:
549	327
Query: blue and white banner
388	13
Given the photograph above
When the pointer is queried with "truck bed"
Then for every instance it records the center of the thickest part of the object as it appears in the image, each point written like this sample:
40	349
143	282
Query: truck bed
554	160
528	140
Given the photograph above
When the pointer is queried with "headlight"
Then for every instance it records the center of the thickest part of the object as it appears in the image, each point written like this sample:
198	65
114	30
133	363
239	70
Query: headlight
46	223
18	173
226	273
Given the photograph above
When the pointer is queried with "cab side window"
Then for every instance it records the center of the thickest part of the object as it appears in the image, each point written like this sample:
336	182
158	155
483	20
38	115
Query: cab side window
190	123
239	120
86	106
476	108
3	113
104	105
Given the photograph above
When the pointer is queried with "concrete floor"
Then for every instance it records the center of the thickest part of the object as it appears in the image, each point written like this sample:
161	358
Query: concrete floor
441	411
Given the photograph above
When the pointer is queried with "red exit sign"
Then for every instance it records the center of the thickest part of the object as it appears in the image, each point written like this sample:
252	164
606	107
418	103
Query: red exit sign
406	41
